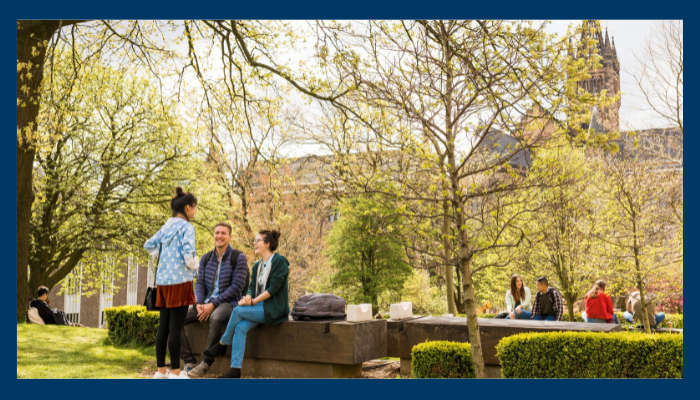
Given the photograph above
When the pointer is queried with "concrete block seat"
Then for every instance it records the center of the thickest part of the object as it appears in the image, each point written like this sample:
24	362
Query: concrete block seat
302	349
402	335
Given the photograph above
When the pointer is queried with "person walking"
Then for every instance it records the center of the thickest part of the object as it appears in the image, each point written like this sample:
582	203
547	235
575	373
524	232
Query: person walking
174	245
266	302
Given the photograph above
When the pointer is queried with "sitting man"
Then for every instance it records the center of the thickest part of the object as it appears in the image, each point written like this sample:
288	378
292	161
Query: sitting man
548	304
221	281
45	312
634	309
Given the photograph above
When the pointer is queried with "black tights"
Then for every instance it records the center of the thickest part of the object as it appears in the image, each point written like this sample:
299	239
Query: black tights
172	320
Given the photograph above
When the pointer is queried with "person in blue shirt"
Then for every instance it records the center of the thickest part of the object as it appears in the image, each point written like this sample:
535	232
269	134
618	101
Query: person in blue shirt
174	246
222	276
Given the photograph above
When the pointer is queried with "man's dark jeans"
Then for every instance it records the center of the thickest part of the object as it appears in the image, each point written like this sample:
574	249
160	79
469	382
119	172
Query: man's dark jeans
217	324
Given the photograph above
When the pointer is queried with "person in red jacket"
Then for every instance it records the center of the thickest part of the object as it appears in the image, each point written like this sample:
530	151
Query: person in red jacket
599	308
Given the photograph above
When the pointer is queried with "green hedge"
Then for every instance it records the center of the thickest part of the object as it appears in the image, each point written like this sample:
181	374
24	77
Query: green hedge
591	355
132	324
442	360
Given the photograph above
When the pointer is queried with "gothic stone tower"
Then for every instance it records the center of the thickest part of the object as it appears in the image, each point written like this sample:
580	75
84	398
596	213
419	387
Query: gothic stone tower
605	78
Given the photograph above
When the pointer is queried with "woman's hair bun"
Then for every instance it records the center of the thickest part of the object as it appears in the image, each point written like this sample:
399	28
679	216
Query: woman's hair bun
276	234
179	192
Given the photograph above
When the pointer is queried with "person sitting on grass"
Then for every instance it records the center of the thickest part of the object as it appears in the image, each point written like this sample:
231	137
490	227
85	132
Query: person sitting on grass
599	307
548	303
45	312
518	299
634	309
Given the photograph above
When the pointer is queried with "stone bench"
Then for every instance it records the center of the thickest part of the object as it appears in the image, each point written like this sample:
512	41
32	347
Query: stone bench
301	349
402	335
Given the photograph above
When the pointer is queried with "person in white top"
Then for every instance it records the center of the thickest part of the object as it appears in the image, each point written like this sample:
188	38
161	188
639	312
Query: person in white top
518	299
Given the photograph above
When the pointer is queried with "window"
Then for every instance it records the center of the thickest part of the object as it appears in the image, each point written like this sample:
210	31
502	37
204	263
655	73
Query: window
150	277
106	296
132	282
72	294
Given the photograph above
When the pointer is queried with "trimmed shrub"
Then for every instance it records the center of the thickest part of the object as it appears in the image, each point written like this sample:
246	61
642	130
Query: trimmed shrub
591	355
132	324
442	359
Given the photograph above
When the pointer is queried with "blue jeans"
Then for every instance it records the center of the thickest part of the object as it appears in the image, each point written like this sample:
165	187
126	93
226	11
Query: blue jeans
599	320
523	315
541	317
657	318
243	319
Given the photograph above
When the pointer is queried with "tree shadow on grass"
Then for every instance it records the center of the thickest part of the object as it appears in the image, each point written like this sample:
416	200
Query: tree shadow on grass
68	352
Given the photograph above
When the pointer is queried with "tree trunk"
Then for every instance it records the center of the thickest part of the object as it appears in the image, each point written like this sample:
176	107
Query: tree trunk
29	35
458	298
570	299
449	281
472	322
640	283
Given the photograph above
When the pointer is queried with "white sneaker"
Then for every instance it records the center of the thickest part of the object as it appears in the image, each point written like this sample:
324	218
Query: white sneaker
158	375
183	375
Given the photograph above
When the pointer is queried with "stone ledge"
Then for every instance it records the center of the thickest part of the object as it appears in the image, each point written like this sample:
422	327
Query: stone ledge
326	348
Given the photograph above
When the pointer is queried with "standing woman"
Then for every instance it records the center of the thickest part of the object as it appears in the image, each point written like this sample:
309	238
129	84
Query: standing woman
267	301
599	307
175	243
518	299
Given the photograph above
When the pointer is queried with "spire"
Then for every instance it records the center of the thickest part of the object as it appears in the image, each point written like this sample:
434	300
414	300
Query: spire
570	49
607	39
591	28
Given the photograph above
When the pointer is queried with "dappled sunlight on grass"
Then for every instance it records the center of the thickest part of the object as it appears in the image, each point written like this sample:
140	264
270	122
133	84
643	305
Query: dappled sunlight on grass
49	351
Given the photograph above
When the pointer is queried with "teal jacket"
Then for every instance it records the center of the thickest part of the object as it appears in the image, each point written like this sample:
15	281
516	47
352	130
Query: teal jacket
277	306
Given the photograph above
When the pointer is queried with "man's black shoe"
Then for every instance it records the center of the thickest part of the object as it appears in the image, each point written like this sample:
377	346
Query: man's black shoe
233	373
215	351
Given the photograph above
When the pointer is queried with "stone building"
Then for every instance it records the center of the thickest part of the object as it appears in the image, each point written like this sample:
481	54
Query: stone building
607	77
89	311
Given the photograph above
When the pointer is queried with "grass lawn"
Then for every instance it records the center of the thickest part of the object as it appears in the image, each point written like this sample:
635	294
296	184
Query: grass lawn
50	351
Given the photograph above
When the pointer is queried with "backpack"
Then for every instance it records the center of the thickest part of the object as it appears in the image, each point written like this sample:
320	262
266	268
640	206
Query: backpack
60	318
318	306
235	253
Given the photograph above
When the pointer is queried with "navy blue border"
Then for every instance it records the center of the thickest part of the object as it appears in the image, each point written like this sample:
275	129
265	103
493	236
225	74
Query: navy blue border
331	389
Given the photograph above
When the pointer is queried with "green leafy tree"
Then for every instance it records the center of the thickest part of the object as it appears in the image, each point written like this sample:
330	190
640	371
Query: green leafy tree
442	94
644	224
367	261
108	158
562	236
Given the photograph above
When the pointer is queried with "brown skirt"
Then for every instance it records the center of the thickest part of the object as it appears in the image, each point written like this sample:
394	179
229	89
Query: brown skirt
172	296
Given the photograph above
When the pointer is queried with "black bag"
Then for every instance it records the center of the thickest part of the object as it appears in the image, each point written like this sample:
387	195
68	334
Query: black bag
318	306
151	292
59	317
501	315
234	256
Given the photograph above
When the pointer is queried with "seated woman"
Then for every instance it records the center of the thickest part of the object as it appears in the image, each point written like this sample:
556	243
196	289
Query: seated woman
267	301
518	299
599	307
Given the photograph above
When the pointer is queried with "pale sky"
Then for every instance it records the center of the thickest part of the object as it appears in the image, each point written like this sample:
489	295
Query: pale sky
629	35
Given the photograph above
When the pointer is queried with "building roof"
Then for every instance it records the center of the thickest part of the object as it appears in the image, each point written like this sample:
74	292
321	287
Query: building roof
505	146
